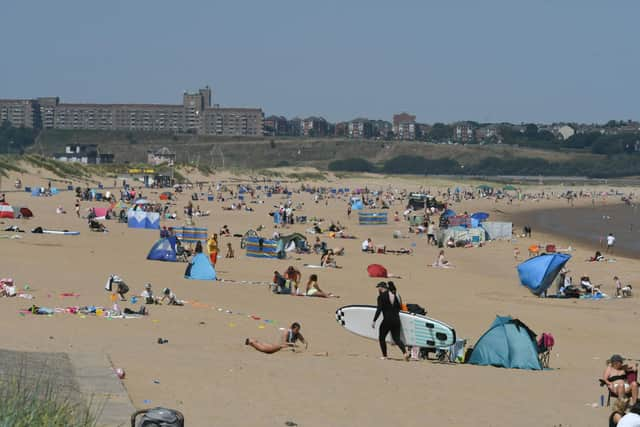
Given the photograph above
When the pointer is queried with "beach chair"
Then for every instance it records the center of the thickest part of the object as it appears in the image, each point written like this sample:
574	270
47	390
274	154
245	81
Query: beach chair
631	377
545	345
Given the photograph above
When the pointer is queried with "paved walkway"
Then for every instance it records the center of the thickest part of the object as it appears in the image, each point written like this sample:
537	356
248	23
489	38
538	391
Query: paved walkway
87	375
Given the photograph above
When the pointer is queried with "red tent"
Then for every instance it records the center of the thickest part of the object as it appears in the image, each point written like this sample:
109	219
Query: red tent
6	211
376	270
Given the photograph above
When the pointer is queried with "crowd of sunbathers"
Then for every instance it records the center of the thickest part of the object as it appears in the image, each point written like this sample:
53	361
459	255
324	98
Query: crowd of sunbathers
289	283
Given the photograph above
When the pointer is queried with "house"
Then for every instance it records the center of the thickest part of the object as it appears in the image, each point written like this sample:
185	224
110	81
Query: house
565	132
163	155
360	128
83	153
276	126
488	132
404	126
463	132
314	126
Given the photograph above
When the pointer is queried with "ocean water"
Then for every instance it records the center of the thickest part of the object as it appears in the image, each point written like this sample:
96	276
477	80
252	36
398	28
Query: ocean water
590	225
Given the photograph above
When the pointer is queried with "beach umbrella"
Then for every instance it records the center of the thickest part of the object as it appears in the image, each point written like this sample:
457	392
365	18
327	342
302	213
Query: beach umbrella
538	273
480	216
6	211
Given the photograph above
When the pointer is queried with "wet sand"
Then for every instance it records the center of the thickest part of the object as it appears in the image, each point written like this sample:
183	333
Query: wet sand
590	225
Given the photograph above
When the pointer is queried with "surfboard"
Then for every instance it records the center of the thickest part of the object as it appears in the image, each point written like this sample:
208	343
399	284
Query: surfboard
417	330
63	232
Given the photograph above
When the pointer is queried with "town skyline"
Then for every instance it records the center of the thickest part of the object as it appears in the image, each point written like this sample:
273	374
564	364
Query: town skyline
487	62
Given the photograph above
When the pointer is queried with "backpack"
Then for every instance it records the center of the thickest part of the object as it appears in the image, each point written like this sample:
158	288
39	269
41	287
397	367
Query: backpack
545	342
161	417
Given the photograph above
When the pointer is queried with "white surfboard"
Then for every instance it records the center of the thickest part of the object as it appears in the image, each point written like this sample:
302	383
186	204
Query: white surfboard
417	330
62	232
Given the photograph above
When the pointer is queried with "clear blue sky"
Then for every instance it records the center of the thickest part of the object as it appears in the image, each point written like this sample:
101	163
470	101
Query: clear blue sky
484	60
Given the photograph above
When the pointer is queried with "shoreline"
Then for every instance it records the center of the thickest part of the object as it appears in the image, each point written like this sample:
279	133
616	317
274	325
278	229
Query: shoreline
587	226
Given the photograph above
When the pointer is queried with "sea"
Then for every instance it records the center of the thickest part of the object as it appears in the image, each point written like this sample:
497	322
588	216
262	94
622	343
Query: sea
590	226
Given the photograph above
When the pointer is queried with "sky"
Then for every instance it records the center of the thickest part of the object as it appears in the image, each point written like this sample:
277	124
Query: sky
482	60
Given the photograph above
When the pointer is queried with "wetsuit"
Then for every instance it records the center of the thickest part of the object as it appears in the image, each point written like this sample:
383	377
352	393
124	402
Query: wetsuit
390	321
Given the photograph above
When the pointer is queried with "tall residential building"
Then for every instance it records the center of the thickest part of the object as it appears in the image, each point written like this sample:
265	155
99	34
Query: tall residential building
276	126
463	132
20	112
360	128
195	115
404	126
314	126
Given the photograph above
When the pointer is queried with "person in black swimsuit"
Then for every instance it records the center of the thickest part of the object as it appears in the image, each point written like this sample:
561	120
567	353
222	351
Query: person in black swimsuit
389	307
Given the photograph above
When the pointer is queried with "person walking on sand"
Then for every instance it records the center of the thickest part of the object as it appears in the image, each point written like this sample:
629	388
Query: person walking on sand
288	338
611	240
212	245
389	307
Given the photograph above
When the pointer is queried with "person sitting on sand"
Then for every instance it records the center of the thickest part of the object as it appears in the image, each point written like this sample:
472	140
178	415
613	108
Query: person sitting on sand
585	283
367	246
280	285
230	253
147	294
327	260
7	287
294	276
441	261
313	290
224	231
60	210
451	243
288	338
620	378
597	257
170	297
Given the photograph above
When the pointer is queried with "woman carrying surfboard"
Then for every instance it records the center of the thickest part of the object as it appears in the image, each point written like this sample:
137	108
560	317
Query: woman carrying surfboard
389	307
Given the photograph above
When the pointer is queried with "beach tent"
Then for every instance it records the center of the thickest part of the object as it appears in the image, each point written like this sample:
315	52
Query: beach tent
284	243
461	234
538	273
509	187
480	216
163	250
508	343
200	268
259	247
497	230
141	219
356	203
6	211
484	187
376	270
372	218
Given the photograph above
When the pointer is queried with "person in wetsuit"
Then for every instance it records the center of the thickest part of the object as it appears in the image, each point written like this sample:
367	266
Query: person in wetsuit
389	307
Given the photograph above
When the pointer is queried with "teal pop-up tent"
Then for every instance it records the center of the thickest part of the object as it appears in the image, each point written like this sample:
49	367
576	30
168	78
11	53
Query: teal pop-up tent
508	343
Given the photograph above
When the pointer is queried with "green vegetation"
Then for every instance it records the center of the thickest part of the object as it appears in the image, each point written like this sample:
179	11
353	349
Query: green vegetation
8	164
15	140
25	402
615	166
61	169
352	165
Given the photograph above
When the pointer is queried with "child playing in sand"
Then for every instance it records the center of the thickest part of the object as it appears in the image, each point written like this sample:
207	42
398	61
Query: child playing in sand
230	253
170	297
147	294
441	261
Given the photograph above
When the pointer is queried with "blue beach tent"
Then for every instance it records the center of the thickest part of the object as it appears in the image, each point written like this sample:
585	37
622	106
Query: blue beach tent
508	343
200	268
538	273
163	250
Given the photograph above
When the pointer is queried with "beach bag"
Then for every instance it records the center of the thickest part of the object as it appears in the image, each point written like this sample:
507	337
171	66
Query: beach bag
161	417
545	342
109	286
415	309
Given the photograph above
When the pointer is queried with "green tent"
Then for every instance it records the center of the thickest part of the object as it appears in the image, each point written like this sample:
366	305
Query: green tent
509	187
485	187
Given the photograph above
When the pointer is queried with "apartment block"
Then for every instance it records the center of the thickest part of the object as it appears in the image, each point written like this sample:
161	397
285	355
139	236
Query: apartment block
195	115
360	129
404	126
314	126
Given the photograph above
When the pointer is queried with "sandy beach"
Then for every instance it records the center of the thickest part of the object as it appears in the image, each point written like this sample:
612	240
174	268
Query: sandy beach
207	372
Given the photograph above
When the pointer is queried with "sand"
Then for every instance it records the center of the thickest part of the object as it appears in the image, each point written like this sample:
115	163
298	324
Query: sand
207	372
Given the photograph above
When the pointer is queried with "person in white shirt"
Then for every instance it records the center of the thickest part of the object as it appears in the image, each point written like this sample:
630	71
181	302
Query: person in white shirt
611	240
367	245
632	418
147	294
